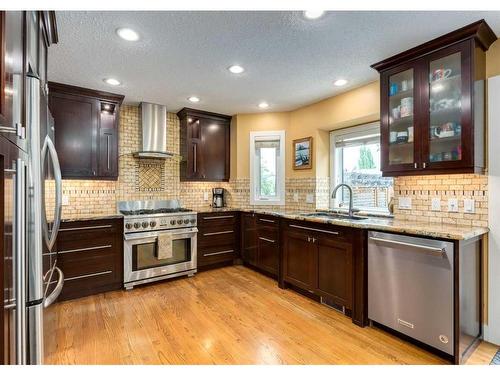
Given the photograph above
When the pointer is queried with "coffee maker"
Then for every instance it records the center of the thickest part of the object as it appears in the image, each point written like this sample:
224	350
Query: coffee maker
218	197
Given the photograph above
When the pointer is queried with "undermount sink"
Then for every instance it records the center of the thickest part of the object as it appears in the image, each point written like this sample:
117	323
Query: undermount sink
334	215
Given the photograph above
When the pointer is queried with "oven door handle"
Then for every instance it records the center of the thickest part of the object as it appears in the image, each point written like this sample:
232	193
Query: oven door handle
147	237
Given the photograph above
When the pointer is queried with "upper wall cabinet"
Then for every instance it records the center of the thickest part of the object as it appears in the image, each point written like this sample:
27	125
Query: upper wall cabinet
204	145
86	131
433	105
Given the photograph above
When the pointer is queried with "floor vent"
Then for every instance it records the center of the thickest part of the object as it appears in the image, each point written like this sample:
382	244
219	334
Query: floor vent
329	303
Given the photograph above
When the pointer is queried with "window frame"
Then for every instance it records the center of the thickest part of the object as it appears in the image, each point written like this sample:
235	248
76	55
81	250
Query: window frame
336	162
255	198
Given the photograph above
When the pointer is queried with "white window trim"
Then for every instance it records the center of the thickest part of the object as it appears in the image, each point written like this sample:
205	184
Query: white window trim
280	173
337	162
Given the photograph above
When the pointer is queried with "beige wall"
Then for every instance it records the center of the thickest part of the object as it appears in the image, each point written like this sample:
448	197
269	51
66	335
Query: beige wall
493	60
357	106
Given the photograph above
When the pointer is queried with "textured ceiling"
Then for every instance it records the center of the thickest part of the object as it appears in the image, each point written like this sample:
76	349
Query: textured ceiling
289	61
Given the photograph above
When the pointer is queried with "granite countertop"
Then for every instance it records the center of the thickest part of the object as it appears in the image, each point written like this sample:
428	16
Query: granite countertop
445	231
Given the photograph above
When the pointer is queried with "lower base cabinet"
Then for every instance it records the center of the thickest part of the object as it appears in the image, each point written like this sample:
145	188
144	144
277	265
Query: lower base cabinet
218	239
319	259
90	254
260	242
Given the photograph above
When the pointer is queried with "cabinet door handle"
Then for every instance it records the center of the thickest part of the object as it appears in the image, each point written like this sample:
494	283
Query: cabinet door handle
218	253
266	220
85	228
217	233
107	150
218	217
266	239
314	240
424	164
194	158
415	165
314	229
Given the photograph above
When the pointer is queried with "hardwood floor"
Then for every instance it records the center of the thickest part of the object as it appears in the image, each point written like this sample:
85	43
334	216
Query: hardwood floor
231	315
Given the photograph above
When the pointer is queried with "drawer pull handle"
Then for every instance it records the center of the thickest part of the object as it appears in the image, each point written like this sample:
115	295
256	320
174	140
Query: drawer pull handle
218	253
218	217
83	249
88	275
315	229
85	228
266	239
267	220
217	233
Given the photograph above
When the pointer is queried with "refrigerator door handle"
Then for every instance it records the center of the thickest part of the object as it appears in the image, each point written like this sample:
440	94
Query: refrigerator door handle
49	300
19	253
50	239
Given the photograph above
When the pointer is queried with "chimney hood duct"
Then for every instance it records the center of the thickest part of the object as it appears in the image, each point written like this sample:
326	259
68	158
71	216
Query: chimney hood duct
154	131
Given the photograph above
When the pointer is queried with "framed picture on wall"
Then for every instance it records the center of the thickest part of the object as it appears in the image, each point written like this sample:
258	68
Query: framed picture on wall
302	153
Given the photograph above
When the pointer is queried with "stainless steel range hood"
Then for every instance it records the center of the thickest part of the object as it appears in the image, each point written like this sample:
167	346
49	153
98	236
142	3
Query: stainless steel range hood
154	131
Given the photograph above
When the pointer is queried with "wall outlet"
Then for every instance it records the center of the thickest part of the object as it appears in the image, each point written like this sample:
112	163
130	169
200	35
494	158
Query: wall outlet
205	196
404	203
469	206
65	200
310	198
436	204
453	205
295	197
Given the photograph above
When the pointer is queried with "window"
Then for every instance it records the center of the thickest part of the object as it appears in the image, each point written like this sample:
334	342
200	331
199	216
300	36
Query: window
267	168
355	160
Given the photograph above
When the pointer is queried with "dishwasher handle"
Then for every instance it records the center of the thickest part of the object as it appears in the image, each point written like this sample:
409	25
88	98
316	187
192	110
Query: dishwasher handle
436	251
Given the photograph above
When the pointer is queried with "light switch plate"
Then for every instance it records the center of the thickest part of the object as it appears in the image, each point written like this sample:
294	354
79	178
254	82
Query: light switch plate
452	205
436	204
404	203
295	197
469	206
309	198
65	200
205	196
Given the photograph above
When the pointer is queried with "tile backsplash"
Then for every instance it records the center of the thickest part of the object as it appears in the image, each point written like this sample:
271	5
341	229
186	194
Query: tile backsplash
421	190
143	179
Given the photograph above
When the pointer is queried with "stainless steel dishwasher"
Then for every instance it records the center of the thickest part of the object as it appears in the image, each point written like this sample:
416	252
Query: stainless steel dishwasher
410	287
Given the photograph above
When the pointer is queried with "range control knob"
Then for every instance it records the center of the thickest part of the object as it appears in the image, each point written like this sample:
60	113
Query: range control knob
137	225
186	221
192	221
152	224
172	222
179	221
144	224
128	226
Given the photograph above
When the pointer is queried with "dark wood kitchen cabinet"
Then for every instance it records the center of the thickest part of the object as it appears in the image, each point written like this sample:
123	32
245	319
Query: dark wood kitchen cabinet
86	131
432	113
90	254
204	145
260	242
218	239
319	258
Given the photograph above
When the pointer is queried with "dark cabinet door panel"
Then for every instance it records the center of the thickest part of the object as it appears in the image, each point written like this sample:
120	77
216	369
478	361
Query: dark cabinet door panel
204	145
335	271
268	254
76	124
299	260
249	238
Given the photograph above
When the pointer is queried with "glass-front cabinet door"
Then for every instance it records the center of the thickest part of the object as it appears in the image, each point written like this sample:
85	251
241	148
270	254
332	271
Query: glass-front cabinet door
447	100
399	119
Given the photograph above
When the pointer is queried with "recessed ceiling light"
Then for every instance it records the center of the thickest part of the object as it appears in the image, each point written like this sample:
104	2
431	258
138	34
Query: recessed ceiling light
127	34
194	99
313	14
112	81
263	105
236	69
340	82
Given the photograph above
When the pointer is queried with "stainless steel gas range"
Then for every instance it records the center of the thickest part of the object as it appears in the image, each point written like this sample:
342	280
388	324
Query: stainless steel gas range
159	241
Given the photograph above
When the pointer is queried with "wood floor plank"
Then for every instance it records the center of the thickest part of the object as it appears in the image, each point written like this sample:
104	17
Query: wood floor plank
231	315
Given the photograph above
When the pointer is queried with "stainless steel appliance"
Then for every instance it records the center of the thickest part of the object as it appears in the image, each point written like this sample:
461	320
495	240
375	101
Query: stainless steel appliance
217	197
149	228
410	287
